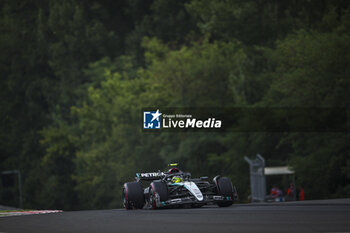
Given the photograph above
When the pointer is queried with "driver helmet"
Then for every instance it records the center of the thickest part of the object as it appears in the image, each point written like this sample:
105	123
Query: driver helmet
176	179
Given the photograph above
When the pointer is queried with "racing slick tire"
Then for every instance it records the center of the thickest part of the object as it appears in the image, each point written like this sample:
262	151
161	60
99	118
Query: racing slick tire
158	193
225	188
133	197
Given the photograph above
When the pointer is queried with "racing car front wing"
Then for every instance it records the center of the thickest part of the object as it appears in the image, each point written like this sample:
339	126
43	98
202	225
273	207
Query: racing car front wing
190	200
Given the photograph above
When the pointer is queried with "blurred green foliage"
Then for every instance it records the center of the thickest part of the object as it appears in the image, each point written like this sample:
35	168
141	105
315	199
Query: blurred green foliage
76	74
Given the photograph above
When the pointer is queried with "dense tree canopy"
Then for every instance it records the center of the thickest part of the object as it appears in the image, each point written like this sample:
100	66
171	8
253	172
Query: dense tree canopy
75	75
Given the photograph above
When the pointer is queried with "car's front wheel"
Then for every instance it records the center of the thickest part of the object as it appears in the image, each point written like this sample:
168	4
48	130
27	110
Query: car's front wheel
158	193
225	188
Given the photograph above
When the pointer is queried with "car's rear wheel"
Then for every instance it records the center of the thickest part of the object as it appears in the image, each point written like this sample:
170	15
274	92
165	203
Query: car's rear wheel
133	197
158	193
225	188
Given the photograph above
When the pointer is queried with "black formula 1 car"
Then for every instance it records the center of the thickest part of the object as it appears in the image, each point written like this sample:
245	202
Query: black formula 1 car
175	188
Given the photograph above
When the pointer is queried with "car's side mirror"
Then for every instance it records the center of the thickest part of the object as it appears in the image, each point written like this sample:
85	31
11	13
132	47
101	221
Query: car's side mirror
204	178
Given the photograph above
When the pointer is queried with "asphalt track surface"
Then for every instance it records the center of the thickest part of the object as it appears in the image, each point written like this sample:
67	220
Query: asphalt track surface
306	216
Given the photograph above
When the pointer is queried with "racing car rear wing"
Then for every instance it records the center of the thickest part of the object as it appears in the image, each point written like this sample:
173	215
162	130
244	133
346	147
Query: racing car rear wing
149	176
